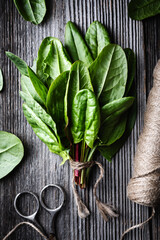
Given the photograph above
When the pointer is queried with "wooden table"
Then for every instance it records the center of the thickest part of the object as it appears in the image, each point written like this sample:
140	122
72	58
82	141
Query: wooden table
39	166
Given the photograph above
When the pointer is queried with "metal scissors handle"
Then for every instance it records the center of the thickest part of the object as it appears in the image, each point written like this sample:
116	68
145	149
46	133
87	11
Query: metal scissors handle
53	211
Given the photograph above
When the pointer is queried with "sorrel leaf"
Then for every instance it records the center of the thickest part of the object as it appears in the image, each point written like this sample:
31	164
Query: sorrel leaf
11	152
55	101
1	80
28	88
31	10
39	111
119	105
76	45
96	38
131	62
85	117
79	79
141	9
109	151
39	86
114	120
20	64
52	60
109	74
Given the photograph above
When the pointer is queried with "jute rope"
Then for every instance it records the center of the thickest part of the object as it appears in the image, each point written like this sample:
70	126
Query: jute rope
26	223
106	210
138	225
143	187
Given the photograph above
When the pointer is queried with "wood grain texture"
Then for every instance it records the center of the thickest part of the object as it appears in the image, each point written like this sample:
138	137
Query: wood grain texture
39	166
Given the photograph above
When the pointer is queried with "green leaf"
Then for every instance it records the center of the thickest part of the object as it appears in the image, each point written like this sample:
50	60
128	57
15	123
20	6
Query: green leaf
20	64
52	60
75	45
39	127
109	151
109	74
118	106
28	88
39	111
1	80
31	10
44	133
141	9
131	61
96	38
11	152
114	120
38	85
85	117
55	101
79	79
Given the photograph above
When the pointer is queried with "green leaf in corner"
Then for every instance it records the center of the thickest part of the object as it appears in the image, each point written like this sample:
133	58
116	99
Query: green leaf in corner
76	45
20	64
31	10
96	38
109	74
141	9
1	80
11	152
39	86
85	117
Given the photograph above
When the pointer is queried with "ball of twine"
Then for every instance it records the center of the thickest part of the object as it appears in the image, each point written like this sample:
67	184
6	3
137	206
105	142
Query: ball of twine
143	187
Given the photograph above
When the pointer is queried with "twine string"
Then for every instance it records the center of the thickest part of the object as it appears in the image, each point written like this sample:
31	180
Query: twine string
25	223
105	210
138	225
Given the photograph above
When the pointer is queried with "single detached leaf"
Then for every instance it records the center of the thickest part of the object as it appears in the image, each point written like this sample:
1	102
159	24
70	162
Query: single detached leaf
52	60
79	79
11	152
109	74
75	45
85	117
131	61
114	120
141	9
55	101
31	10
96	38
20	64
1	80
39	86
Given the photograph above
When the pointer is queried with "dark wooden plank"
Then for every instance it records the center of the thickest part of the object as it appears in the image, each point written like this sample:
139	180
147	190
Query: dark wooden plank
39	166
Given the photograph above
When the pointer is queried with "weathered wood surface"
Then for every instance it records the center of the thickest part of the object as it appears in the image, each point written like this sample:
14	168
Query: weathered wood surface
39	166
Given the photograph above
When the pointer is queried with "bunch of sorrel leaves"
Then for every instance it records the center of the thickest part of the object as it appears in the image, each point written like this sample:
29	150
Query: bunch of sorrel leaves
80	98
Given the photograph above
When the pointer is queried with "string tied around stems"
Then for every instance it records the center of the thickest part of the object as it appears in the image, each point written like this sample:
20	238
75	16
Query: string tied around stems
105	210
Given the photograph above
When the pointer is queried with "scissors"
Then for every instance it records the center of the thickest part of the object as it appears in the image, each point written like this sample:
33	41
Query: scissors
53	211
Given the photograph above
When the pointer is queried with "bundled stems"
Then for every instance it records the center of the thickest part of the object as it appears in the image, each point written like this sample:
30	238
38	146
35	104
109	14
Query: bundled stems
82	153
